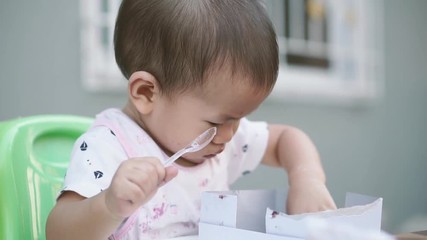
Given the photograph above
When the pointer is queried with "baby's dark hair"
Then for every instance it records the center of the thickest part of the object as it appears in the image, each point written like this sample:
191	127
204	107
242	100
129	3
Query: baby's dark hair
181	42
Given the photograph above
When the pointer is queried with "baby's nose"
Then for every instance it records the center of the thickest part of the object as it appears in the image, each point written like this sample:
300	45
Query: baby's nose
224	133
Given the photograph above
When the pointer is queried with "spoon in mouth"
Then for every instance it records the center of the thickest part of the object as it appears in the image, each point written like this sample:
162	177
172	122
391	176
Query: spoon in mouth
196	145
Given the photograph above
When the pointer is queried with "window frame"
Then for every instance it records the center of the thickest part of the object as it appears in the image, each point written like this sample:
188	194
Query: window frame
337	85
295	83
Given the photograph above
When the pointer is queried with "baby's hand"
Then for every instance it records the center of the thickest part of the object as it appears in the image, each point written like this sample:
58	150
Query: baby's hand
135	183
309	195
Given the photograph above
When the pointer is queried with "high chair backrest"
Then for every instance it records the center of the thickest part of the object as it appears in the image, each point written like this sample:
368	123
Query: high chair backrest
34	155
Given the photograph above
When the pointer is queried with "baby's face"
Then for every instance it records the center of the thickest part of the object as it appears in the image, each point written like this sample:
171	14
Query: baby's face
222	104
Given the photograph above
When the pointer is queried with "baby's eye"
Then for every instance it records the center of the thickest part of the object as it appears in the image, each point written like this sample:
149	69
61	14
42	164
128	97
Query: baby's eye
214	123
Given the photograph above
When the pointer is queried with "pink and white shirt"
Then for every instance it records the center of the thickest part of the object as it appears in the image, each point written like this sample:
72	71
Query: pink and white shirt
174	210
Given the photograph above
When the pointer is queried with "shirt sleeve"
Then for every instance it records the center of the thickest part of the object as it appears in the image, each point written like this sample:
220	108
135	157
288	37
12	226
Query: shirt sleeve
95	158
247	148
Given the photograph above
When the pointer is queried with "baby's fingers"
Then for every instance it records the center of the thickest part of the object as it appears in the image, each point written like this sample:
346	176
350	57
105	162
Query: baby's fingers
171	172
146	180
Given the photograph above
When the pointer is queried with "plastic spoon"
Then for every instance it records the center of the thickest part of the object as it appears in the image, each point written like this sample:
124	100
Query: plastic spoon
196	145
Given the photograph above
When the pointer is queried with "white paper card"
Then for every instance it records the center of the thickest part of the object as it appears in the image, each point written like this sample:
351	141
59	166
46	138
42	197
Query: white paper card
367	217
249	214
240	209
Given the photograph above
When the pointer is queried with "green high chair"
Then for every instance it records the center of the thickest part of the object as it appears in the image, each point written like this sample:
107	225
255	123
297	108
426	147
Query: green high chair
34	155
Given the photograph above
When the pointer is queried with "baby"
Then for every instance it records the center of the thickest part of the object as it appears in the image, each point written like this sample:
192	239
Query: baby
191	65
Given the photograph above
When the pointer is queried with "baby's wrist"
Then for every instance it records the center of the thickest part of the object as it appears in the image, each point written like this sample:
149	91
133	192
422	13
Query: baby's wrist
306	175
109	210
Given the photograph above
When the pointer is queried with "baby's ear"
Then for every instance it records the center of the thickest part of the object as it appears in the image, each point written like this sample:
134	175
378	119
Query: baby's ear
143	88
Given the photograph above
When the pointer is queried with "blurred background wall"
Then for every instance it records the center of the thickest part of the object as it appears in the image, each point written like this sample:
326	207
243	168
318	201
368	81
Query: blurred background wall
379	150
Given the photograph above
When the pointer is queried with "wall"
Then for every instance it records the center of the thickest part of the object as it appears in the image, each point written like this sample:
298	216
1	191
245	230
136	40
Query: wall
380	150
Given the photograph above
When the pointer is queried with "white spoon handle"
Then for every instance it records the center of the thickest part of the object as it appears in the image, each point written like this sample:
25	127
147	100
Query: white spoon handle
174	157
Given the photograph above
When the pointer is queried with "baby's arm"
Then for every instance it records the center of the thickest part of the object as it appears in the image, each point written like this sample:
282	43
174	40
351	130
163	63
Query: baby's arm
134	183
293	150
